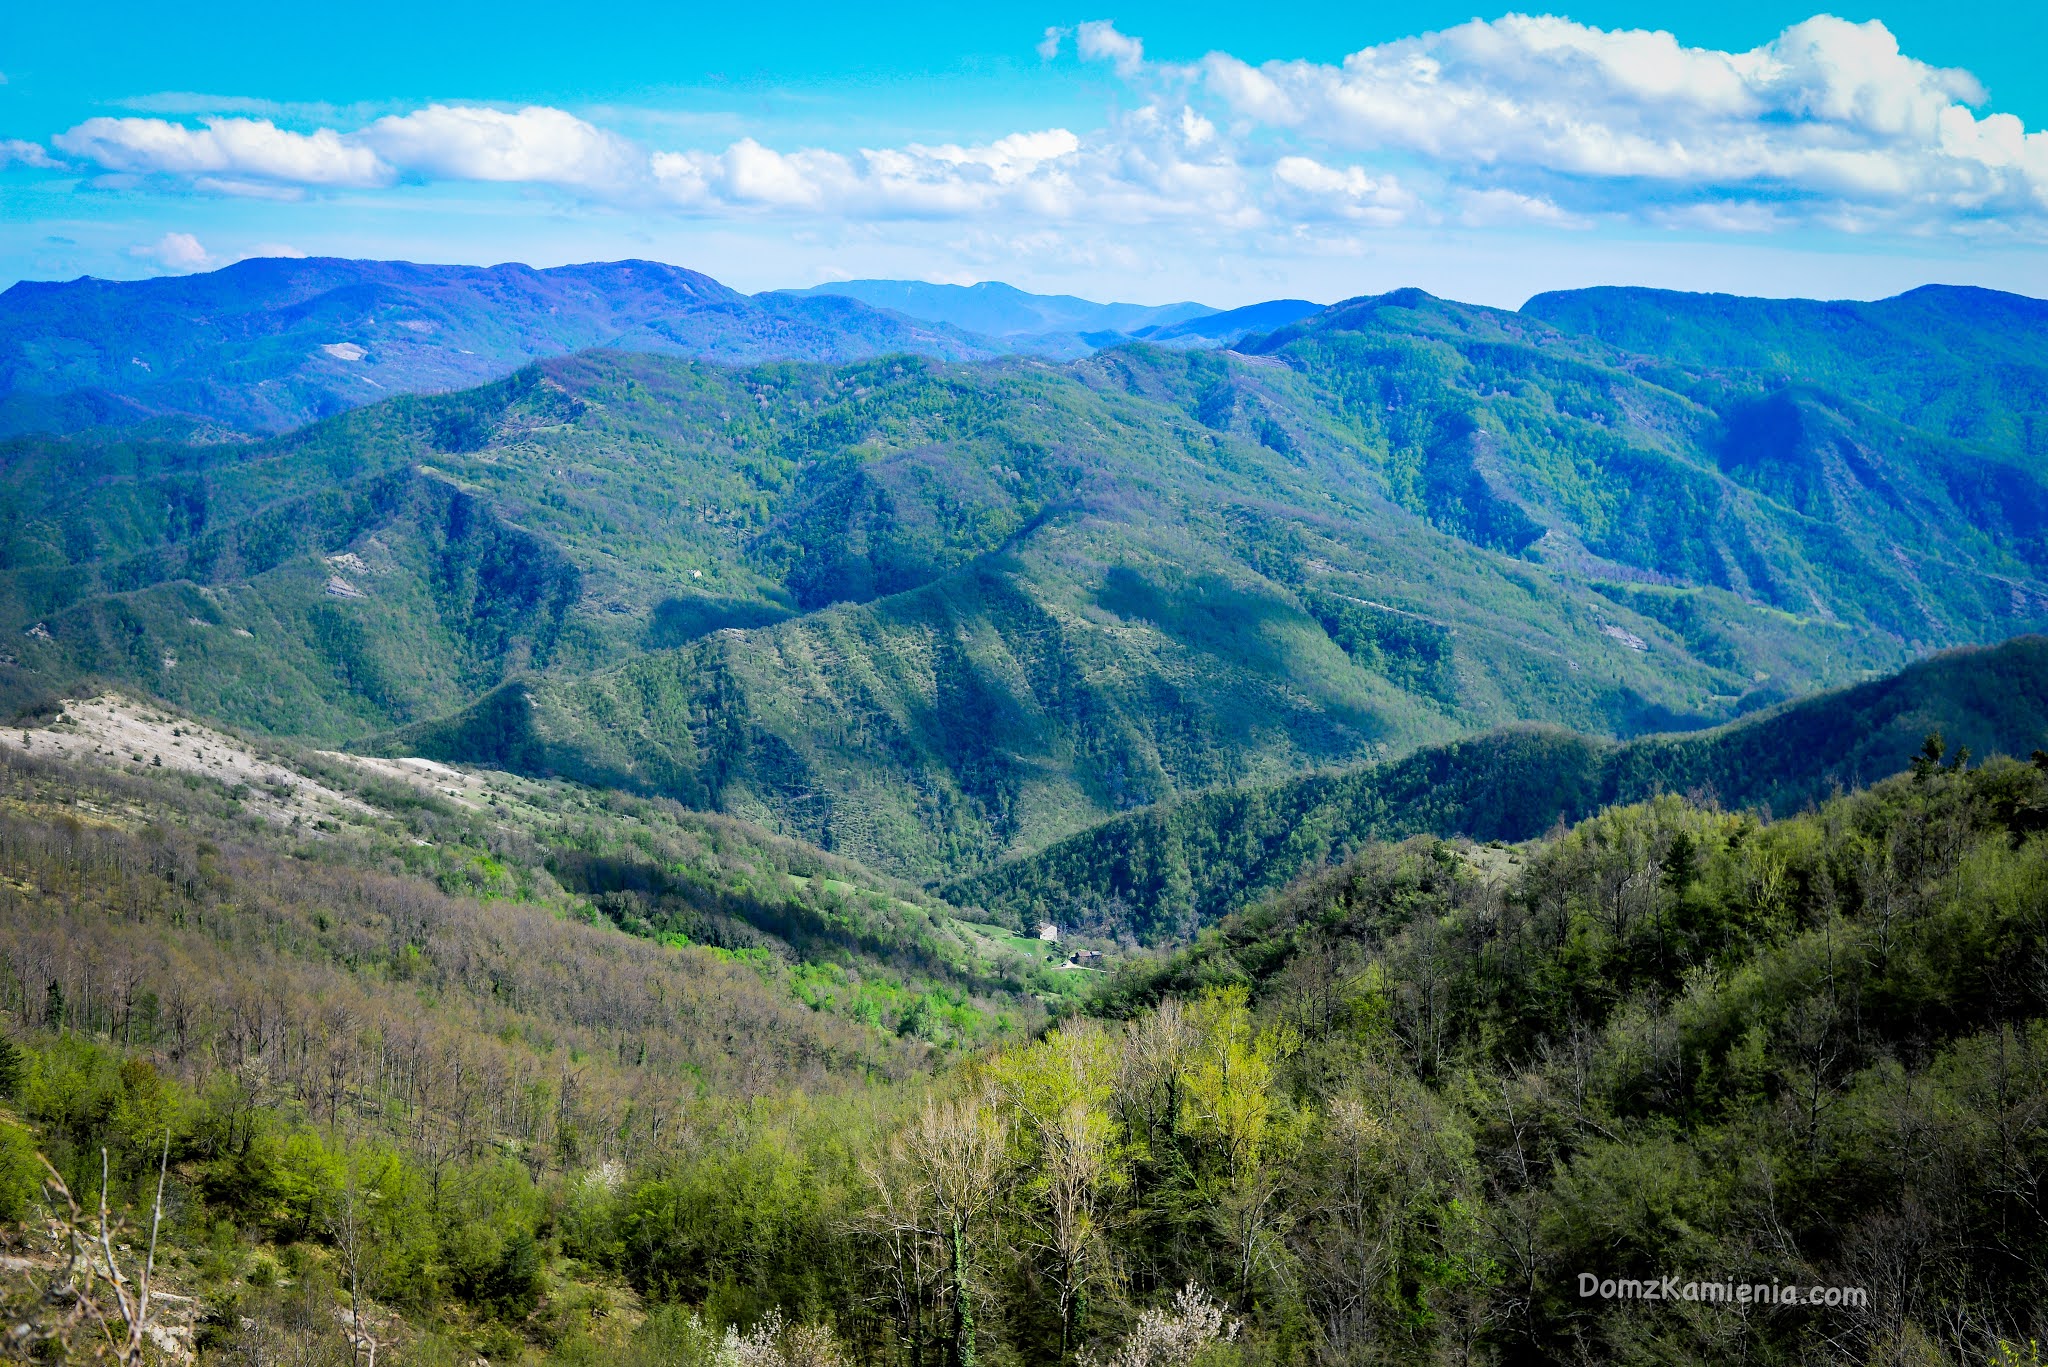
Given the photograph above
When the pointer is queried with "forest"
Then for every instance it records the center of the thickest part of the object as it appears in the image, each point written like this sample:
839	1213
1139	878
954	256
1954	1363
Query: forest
1388	1114
807	837
935	615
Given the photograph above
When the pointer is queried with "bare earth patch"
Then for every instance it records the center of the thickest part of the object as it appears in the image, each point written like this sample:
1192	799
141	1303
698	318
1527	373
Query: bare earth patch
121	733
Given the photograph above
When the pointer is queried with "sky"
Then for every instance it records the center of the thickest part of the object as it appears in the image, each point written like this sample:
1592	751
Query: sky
1144	151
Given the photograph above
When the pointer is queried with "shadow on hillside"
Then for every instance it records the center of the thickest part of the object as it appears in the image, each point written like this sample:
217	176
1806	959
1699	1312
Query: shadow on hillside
678	621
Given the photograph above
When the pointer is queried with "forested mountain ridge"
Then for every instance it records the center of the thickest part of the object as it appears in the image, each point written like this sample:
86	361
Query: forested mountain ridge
1955	360
1160	875
930	615
687	499
1389	1116
1403	422
269	344
1667	1043
1796	495
1231	325
1061	325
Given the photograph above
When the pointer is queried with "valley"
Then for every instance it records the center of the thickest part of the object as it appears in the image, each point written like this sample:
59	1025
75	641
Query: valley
545	860
1030	595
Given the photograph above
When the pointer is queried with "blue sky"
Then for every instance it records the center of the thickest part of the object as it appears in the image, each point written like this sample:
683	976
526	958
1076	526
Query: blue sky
1139	151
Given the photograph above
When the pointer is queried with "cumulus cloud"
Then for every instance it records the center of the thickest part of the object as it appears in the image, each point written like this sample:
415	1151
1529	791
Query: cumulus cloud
230	150
1829	109
1145	172
16	152
536	144
175	253
1498	208
1099	41
441	142
749	175
1521	120
551	147
1316	190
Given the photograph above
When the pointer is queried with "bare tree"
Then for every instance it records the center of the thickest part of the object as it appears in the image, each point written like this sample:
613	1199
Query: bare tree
97	1295
348	1226
943	1174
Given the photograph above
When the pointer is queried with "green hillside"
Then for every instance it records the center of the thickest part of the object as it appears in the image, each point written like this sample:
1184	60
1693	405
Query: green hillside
1391	1116
930	616
1163	873
1398	522
1955	361
549	873
839	937
1557	448
404	995
1670	1042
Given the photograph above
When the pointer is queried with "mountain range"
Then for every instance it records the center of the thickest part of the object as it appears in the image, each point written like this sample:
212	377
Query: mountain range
530	801
935	614
272	343
998	310
1060	325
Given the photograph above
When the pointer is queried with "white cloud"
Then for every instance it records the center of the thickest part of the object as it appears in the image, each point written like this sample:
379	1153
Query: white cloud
1011	158
1519	121
235	150
1023	171
541	146
1507	208
174	253
748	175
17	152
753	174
1316	190
1099	41
536	145
1829	110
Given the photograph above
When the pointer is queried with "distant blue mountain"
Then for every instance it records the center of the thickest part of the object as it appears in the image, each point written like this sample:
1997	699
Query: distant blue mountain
1229	326
998	310
267	345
